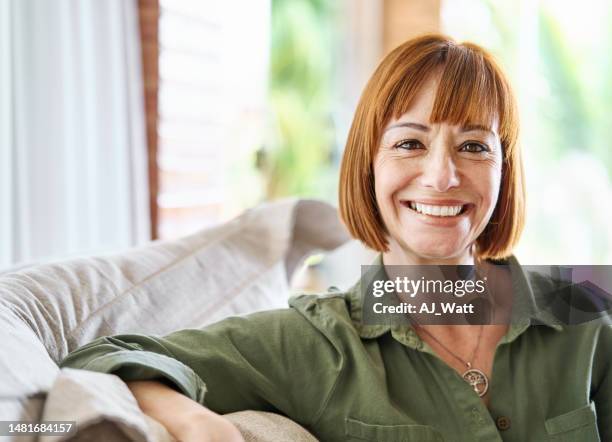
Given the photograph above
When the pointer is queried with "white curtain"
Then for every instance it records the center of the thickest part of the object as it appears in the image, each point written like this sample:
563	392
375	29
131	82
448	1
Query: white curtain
73	159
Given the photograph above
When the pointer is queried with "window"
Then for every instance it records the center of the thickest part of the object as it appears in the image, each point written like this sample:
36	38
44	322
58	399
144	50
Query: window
212	85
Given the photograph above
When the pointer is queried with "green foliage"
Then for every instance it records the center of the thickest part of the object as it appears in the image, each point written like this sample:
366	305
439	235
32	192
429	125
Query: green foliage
504	18
565	124
297	158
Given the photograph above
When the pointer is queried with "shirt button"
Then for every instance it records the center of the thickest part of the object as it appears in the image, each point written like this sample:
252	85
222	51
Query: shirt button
503	423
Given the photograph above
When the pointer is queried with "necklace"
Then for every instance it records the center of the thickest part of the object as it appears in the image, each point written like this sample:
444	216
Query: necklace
476	378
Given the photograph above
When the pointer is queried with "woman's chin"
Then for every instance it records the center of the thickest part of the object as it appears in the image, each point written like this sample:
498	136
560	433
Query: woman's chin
440	255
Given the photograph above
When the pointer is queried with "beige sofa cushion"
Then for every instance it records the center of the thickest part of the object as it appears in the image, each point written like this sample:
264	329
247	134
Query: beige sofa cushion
268	427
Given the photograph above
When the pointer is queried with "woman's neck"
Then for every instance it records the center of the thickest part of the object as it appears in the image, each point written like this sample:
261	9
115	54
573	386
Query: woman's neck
397	255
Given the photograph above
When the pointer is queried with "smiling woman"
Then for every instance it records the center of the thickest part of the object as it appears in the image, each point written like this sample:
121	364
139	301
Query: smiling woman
431	175
439	182
446	113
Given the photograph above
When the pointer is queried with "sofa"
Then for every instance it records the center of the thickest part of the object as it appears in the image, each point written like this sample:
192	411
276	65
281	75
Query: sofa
48	310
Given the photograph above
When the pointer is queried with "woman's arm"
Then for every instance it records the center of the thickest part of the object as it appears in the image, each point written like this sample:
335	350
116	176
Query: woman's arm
185	419
269	361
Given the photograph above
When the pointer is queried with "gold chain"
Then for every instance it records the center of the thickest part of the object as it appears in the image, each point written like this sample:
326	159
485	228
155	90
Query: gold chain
467	363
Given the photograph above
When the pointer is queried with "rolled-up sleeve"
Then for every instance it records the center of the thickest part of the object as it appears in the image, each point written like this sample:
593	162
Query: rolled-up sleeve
138	357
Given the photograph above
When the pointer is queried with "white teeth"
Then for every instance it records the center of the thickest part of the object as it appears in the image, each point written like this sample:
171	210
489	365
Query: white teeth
435	210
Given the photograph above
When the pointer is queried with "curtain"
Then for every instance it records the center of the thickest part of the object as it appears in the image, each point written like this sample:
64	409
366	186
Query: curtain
73	159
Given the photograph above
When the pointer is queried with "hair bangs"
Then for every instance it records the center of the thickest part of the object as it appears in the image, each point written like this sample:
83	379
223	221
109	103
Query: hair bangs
411	83
467	93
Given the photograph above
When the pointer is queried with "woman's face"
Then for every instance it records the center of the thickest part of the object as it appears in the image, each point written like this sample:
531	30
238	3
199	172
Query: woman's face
436	184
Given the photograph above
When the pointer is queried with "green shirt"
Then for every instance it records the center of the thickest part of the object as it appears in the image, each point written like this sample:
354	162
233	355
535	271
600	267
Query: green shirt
316	363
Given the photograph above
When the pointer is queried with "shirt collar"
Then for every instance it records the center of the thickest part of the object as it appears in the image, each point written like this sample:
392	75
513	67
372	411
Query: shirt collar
525	304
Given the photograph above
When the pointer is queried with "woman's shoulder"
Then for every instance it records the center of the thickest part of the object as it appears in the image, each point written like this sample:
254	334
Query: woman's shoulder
332	313
314	327
331	302
332	306
324	314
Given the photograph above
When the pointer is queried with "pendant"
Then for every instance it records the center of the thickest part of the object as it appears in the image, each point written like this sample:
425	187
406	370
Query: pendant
477	379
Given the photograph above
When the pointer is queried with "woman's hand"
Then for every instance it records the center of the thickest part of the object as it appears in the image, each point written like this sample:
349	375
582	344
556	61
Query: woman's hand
185	419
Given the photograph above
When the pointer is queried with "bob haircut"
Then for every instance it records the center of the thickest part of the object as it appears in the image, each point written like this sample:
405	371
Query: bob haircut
472	90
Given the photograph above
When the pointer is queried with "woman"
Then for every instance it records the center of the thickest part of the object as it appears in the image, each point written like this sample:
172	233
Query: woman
431	174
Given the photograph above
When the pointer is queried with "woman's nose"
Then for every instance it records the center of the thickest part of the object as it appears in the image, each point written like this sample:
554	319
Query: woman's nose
439	171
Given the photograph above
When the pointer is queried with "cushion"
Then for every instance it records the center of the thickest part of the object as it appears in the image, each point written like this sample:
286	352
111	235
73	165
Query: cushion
268	427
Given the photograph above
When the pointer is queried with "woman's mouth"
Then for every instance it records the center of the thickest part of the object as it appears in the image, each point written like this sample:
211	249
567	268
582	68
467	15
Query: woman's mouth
437	210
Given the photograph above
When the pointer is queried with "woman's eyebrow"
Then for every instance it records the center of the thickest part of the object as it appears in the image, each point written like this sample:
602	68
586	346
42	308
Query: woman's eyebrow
477	127
416	126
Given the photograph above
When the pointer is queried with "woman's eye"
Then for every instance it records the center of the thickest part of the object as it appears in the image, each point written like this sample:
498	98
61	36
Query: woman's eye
408	145
474	147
